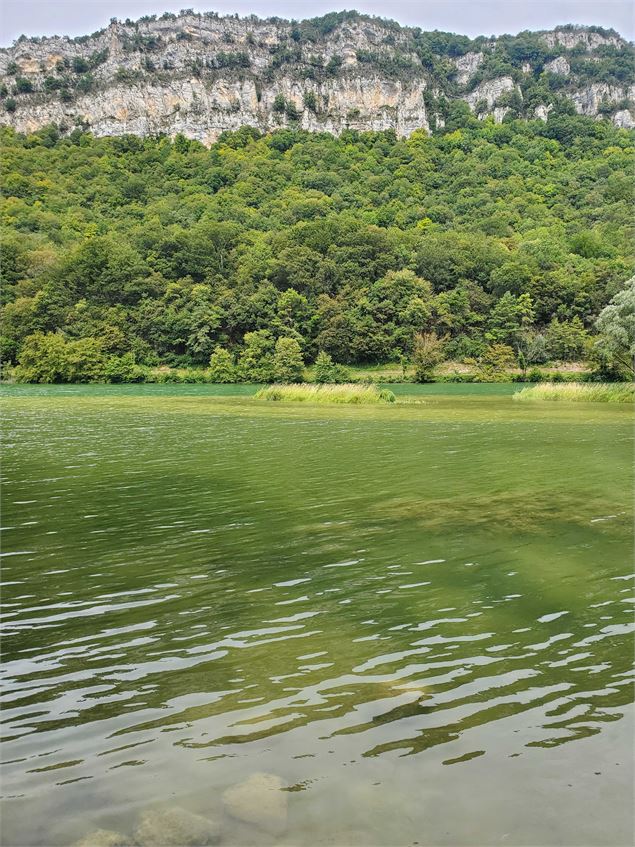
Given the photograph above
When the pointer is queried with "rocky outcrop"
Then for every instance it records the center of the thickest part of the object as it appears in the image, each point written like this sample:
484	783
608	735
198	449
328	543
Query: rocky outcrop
558	65
571	37
590	100
200	75
203	110
466	66
624	119
489	92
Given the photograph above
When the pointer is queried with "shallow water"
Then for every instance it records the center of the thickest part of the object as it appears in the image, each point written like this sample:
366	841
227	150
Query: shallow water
418	616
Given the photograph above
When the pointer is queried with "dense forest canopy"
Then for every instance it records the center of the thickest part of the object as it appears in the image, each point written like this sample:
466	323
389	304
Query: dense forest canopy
163	250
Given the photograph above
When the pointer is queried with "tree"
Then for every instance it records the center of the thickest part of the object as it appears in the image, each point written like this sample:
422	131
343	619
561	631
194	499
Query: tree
427	354
616	325
221	366
566	340
327	371
279	104
51	358
43	358
255	363
509	316
288	364
495	361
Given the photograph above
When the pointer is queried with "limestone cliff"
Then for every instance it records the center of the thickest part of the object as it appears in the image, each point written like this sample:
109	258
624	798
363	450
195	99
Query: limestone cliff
200	74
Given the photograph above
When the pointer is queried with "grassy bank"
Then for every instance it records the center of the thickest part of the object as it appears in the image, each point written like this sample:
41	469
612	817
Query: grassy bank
311	393
588	392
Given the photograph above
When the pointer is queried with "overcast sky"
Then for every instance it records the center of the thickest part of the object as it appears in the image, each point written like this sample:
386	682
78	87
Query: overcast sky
471	17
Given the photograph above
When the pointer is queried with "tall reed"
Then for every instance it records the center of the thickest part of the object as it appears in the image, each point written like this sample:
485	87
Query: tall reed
326	393
583	392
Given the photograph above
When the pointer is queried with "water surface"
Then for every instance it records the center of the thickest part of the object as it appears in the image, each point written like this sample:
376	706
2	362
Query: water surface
418	616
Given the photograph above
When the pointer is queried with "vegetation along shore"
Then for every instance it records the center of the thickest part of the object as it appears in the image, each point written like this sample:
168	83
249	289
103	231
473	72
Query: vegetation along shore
500	248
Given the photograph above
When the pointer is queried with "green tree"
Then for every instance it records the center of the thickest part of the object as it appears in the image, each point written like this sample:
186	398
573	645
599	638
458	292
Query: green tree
427	354
616	325
567	340
327	371
279	104
255	362
288	364
509	318
43	358
221	366
496	360
49	357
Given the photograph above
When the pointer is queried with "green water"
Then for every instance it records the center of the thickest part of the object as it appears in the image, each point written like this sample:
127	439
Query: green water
418	616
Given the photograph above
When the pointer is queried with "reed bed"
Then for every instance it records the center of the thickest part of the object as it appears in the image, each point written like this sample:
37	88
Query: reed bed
326	393
582	392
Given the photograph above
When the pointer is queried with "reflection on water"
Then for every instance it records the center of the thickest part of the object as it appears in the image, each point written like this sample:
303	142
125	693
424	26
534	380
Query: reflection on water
404	616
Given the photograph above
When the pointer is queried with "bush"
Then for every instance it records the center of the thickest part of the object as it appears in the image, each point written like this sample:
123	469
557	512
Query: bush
23	85
427	354
47	358
534	375
221	366
327	371
567	340
288	364
255	363
124	369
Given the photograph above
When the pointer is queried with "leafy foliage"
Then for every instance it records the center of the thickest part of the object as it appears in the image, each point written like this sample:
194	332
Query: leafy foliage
169	253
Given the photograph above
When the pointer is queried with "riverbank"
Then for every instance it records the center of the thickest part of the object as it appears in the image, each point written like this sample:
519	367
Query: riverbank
390	373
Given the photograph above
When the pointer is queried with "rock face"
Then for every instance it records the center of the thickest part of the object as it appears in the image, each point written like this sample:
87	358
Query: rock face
572	37
590	100
200	74
490	91
175	828
259	801
558	66
624	119
466	66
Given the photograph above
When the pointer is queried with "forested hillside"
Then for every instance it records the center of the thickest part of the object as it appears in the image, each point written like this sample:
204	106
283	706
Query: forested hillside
160	251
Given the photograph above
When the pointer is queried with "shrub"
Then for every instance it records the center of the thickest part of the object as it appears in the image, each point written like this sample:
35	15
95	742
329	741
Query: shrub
46	358
80	65
255	363
310	101
23	85
288	364
427	354
279	104
326	370
566	340
221	366
124	369
534	375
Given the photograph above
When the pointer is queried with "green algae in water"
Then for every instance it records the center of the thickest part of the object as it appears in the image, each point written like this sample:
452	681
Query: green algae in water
418	613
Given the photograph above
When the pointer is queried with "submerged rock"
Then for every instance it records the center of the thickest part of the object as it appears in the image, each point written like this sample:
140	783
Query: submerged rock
260	801
176	828
104	838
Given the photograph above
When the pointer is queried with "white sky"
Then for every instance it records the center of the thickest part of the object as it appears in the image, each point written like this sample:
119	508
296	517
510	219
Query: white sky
470	17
